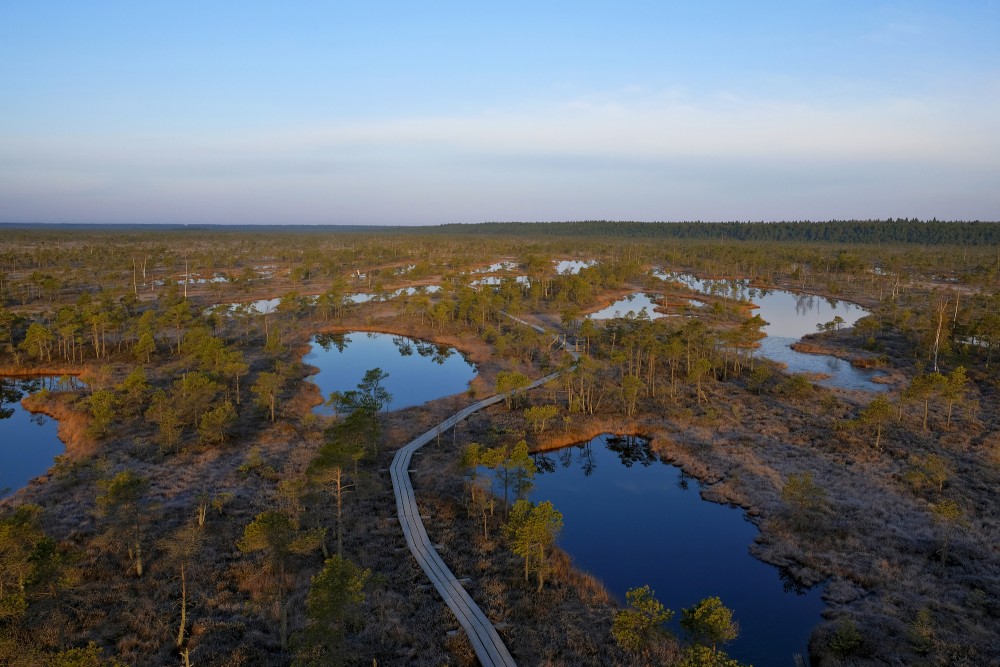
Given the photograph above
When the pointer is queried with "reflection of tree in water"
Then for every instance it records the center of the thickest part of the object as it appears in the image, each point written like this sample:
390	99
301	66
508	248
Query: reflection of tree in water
10	394
328	340
804	304
683	482
587	462
12	390
584	454
565	457
404	345
790	585
437	353
631	449
544	463
443	352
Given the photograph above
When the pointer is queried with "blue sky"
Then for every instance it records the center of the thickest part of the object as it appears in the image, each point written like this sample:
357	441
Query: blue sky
425	113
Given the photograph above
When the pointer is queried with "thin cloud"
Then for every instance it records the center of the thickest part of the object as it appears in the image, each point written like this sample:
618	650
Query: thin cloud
625	154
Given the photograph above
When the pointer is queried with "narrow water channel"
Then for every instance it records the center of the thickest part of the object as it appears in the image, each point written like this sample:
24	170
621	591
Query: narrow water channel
633	520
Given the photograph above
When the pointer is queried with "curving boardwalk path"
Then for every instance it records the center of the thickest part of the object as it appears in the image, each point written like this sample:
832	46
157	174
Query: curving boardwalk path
489	648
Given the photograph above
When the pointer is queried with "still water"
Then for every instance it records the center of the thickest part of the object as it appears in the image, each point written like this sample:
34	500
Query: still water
632	304
572	266
790	316
497	267
419	371
28	443
268	306
633	520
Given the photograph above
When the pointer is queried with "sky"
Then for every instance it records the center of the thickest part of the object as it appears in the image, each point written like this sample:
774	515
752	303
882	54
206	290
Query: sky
441	112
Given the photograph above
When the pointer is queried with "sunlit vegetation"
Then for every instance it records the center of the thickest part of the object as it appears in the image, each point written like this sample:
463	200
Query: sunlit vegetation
204	514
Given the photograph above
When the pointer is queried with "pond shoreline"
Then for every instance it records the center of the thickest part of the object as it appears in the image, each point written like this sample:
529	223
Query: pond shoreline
473	350
26	372
67	440
735	570
840	348
71	423
671	453
413	366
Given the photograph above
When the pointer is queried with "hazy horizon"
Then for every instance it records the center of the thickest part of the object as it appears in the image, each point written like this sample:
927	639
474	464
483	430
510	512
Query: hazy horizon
403	115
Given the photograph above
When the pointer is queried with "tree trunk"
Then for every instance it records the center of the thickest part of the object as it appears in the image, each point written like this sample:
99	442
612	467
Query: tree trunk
937	335
541	567
340	531
138	558
282	611
944	549
180	630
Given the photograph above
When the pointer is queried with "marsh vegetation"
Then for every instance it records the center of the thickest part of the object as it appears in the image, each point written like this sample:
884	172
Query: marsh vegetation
204	512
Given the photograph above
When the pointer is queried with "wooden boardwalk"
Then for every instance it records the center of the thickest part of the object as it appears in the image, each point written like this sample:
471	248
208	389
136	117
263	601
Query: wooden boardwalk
489	648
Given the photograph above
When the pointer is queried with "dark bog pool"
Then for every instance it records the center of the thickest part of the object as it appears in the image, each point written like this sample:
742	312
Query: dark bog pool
419	371
28	443
632	520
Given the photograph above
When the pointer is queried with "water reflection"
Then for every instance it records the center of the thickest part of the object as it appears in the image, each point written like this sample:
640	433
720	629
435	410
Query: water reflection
497	267
332	340
631	449
269	306
496	281
404	345
544	463
28	442
585	458
572	266
12	390
790	316
419	370
632	525
638	304
8	394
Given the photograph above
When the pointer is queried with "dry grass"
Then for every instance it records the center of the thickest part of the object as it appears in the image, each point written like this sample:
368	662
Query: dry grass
73	423
877	547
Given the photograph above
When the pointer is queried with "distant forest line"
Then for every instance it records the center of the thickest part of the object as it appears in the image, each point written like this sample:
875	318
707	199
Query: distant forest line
908	231
889	231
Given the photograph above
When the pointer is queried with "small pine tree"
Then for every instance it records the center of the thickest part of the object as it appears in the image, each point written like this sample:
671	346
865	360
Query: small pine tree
637	627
